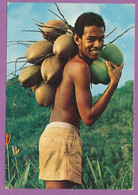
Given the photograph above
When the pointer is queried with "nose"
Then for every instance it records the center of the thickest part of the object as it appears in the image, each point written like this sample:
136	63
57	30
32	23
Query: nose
97	43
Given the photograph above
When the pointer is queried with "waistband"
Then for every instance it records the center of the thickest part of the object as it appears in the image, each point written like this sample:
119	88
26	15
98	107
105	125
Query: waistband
63	125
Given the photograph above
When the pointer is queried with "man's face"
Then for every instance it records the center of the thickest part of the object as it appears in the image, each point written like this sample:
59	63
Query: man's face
91	43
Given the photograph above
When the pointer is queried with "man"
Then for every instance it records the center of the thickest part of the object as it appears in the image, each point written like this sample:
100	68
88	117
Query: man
60	144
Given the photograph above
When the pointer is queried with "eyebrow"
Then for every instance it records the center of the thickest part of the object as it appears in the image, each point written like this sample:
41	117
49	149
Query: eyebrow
103	36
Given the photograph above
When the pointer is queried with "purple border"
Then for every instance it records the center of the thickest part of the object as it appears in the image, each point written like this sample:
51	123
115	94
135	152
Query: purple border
3	191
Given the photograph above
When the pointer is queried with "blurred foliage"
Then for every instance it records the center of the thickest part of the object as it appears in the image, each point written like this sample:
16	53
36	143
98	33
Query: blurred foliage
107	145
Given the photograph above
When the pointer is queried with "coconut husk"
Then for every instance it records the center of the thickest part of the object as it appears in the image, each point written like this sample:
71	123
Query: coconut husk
38	51
51	69
30	76
64	46
45	94
53	29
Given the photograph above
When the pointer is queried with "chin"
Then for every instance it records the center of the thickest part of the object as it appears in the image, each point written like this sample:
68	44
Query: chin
94	57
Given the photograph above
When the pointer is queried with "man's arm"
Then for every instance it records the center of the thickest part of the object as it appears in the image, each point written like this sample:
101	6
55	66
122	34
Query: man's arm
81	78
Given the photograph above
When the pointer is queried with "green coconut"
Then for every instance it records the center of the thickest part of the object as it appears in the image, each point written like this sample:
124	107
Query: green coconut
112	53
53	29
64	46
45	94
38	51
30	76
99	72
51	69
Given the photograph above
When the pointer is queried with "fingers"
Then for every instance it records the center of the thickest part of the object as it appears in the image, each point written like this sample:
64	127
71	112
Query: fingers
121	66
111	65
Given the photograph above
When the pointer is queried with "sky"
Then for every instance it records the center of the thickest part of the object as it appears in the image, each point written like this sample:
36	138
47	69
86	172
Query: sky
22	16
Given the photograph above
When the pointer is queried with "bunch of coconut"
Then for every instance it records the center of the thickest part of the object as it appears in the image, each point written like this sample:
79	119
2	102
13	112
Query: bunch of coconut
47	59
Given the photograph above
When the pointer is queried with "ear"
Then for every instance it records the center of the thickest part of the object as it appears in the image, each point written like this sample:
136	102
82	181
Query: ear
77	39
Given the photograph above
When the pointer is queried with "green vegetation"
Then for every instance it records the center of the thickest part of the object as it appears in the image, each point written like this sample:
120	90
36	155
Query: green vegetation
107	145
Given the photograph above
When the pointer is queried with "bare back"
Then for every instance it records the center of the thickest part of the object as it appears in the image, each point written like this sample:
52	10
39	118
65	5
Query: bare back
65	106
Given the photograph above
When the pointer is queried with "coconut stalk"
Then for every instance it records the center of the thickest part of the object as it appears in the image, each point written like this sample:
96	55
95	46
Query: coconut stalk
44	33
52	33
110	32
37	21
64	31
12	83
62	17
43	57
14	73
121	34
16	63
25	43
22	67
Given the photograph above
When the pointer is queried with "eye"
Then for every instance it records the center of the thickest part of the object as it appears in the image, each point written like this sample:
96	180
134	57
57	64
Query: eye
91	39
101	39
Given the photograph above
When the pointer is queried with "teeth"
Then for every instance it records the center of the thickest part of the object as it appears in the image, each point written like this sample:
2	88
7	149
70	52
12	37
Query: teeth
96	52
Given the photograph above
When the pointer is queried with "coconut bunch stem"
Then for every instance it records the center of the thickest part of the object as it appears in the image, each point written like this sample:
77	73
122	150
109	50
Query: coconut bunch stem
64	31
62	17
43	57
23	66
40	24
19	42
110	32
17	70
44	32
15	62
37	21
121	34
31	31
12	83
54	33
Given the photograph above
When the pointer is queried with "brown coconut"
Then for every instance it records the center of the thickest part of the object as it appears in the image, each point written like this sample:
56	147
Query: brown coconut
30	76
38	51
53	29
51	69
64	46
45	94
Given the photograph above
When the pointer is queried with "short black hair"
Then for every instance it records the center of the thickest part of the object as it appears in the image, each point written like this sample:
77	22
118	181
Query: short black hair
87	19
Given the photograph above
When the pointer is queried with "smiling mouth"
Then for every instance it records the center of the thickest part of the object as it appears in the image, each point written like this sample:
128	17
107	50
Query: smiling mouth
95	52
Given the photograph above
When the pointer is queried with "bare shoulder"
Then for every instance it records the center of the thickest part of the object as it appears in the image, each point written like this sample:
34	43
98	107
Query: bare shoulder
78	67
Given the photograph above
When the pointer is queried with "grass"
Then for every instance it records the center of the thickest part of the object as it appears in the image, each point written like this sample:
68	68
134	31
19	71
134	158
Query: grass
27	177
117	183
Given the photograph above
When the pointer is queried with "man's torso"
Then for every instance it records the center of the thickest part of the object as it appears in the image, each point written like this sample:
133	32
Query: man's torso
65	106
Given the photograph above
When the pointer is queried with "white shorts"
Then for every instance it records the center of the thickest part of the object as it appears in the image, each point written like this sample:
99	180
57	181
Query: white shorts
60	153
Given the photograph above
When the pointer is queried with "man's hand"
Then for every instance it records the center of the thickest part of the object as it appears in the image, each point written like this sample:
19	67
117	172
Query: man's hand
114	72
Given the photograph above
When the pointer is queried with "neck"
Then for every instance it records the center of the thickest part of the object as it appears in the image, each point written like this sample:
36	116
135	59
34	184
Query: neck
86	59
